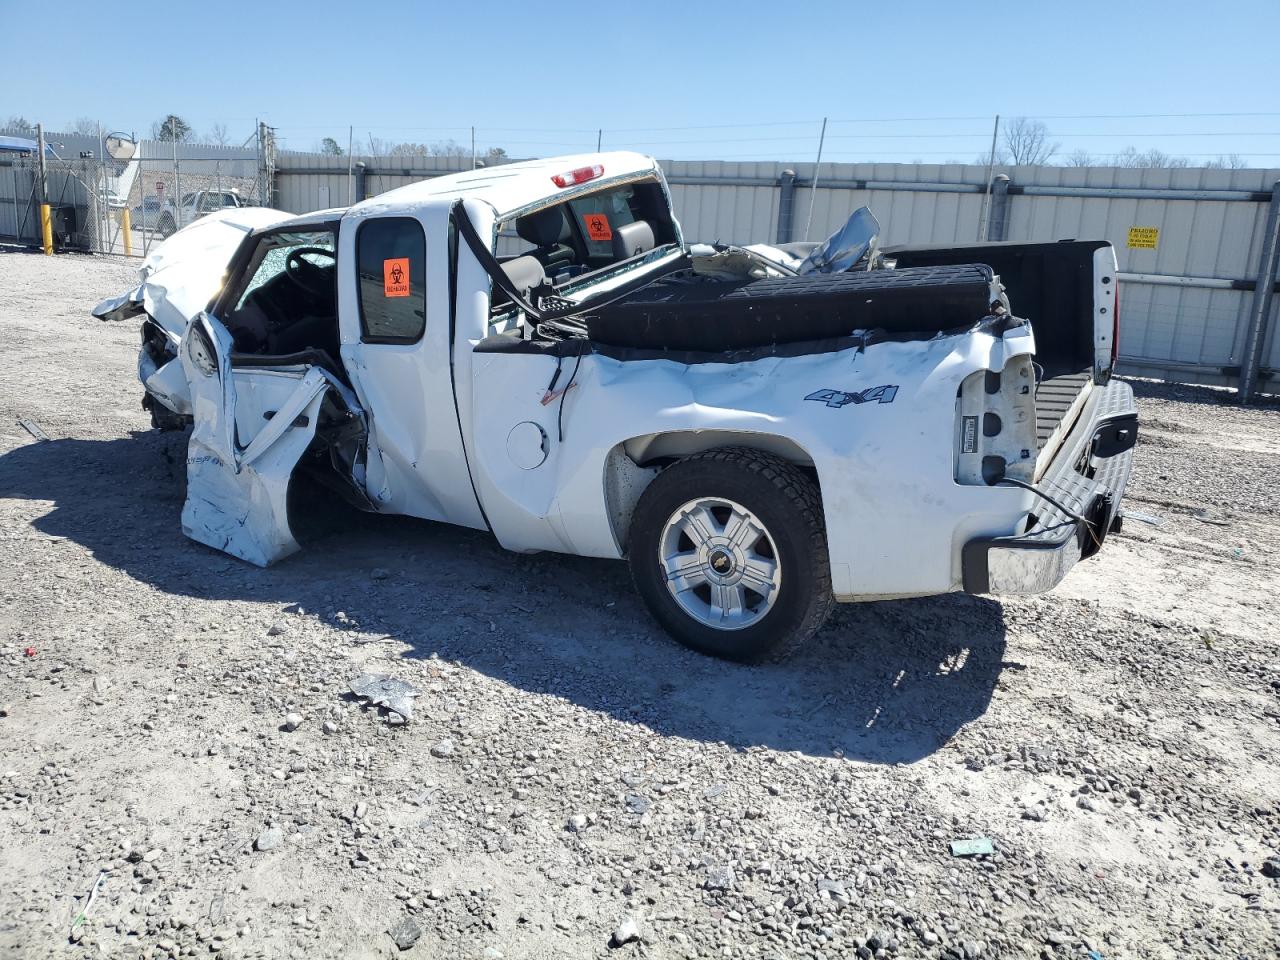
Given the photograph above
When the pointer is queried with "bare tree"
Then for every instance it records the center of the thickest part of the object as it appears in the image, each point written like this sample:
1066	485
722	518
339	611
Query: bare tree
1080	158
1231	161
1026	142
218	134
448	148
1153	158
410	150
21	125
86	127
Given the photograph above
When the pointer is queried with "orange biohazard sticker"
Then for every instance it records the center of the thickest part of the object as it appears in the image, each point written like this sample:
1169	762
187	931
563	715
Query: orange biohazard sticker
395	277
597	226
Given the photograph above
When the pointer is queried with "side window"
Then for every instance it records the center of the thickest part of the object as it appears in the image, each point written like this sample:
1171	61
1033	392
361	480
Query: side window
391	258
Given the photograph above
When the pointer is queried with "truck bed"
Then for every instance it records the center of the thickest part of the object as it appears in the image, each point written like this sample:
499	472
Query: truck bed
680	314
1059	400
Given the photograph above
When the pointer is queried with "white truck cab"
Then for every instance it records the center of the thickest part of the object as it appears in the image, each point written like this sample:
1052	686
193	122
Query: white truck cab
760	432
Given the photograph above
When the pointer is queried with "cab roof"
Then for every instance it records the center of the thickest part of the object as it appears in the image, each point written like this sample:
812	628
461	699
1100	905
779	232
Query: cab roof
511	187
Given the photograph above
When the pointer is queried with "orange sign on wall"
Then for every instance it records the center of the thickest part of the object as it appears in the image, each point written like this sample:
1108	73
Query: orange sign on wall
395	277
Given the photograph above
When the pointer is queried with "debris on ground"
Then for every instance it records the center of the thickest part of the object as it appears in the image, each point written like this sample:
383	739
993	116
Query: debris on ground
1205	515
82	914
1142	517
32	428
972	847
383	690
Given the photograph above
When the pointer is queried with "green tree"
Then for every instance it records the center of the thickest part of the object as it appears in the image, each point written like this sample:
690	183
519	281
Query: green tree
330	146
172	127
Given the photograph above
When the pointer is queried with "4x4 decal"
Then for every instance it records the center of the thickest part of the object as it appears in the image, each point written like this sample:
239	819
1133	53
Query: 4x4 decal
840	398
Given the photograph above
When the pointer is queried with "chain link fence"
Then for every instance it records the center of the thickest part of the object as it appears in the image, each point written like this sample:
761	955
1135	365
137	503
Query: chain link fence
125	207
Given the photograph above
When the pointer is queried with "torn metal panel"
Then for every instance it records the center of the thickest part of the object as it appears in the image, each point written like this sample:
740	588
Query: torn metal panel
382	690
237	493
166	382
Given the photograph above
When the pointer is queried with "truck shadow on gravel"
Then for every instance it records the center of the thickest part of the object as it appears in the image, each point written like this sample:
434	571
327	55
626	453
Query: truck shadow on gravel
888	682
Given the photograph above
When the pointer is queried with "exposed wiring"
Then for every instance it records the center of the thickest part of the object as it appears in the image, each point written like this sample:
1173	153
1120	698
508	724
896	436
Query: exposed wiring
564	393
1088	524
550	393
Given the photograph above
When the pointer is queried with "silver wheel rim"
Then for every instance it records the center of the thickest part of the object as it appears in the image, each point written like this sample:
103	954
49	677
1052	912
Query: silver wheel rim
720	563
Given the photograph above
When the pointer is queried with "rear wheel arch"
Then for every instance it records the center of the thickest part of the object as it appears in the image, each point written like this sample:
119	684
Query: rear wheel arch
632	465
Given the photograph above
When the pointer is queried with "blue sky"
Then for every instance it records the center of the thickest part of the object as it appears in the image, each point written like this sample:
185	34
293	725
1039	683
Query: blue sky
744	80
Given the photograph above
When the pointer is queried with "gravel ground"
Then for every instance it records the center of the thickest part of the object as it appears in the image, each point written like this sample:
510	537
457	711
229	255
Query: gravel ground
571	779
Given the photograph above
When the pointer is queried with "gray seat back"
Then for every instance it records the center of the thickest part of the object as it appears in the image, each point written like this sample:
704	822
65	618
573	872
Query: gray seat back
632	239
525	273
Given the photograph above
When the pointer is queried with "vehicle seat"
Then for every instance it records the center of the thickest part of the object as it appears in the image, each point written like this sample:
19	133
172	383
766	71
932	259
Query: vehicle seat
632	239
525	273
548	231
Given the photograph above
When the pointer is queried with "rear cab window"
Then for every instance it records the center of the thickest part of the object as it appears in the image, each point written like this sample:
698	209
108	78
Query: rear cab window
597	216
391	264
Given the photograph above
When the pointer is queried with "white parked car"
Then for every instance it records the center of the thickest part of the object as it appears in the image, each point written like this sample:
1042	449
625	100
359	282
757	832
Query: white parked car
760	432
166	218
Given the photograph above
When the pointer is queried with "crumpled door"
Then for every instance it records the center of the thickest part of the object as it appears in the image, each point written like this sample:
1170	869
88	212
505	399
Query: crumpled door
251	427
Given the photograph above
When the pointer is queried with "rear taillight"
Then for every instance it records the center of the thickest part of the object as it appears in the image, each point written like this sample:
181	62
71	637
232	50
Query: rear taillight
1115	325
581	175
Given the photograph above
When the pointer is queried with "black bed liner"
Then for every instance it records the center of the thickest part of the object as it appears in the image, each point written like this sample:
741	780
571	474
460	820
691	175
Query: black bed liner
1049	283
1055	397
716	315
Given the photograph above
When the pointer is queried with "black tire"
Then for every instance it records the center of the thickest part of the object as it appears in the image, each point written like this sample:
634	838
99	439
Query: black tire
166	227
789	506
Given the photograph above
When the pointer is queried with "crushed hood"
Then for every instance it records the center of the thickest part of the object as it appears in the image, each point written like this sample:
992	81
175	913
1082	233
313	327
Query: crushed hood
180	277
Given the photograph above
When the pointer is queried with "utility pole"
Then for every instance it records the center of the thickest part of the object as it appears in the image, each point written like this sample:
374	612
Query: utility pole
599	138
473	148
351	132
813	190
177	175
983	224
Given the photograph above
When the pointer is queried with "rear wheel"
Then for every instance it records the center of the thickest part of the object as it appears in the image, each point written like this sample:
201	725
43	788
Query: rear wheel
166	227
729	551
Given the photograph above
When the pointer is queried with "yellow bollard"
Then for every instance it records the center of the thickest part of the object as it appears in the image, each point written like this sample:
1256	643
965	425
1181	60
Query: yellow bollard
46	228
127	229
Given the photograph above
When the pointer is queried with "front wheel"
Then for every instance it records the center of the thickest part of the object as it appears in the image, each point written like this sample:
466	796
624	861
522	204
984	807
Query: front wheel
166	227
728	549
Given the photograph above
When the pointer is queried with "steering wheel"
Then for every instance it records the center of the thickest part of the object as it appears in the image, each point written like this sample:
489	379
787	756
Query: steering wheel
307	276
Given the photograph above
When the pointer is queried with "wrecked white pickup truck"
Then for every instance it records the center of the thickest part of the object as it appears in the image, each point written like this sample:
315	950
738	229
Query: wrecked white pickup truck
759	431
